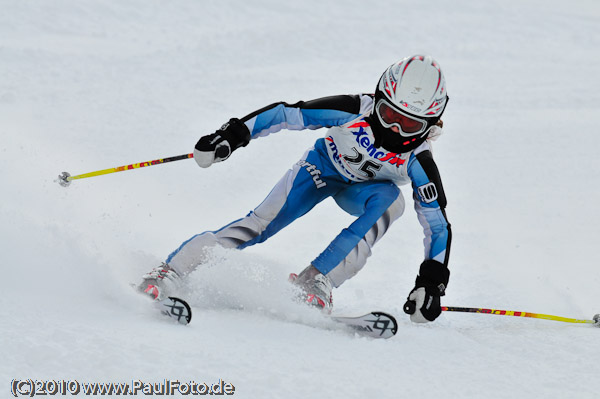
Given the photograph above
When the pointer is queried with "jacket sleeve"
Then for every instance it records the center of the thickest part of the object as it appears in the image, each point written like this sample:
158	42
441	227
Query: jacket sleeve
314	114
430	204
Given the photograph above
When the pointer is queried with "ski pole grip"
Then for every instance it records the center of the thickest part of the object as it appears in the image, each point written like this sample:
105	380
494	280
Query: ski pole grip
410	307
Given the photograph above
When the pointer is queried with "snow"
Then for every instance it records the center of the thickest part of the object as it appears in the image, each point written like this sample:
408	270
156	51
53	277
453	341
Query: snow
88	85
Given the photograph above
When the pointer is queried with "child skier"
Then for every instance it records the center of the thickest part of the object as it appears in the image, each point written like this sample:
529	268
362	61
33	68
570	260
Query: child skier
374	143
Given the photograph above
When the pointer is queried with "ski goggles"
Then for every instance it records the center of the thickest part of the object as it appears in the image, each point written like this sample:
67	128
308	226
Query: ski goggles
408	125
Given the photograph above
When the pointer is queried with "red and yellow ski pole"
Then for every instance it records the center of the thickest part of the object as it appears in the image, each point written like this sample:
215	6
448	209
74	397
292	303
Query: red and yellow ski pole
595	321
64	179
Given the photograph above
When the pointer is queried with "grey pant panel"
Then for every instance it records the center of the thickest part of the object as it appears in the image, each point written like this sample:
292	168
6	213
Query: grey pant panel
357	258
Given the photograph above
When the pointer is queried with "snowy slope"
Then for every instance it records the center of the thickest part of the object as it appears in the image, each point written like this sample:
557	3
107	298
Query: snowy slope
88	85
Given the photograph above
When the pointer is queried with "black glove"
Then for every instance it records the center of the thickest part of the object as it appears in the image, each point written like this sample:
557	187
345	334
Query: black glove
218	146
423	302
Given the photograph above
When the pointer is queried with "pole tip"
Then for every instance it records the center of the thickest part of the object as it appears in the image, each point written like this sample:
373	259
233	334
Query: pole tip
597	320
62	179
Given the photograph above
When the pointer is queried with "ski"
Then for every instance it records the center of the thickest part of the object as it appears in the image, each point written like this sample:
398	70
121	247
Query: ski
374	324
175	308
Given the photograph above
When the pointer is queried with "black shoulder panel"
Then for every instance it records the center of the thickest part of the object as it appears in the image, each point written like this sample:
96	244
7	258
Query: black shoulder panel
346	103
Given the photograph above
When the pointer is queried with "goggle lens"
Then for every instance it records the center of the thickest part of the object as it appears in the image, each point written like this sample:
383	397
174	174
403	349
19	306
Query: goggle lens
389	116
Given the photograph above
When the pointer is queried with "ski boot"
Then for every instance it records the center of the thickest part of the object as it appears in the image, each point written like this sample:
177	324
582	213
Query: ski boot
316	288
160	282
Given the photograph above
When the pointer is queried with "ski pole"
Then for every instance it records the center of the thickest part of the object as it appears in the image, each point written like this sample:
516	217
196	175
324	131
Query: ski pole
64	179
595	321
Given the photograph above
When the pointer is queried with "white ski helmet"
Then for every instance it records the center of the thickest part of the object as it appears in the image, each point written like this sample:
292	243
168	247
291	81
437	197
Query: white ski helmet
410	98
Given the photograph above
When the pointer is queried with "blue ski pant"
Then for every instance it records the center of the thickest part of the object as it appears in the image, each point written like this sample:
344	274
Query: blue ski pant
376	204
